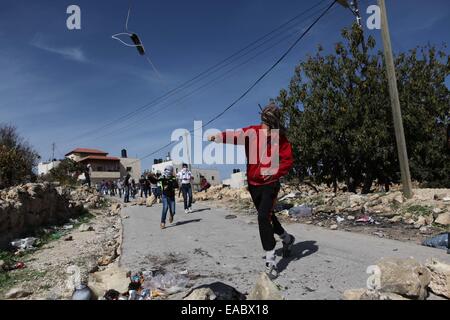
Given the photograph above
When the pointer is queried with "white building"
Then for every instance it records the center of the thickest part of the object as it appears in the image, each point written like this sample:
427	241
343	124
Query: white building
237	180
45	167
212	175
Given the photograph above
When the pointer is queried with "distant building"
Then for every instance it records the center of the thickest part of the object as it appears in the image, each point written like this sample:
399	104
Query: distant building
237	180
104	167
45	167
211	175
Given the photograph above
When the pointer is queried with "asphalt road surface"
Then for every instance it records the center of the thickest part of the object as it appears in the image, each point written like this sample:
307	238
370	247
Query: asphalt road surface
324	263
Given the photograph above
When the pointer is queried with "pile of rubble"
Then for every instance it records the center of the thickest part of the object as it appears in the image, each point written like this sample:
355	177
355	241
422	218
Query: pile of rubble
404	279
427	213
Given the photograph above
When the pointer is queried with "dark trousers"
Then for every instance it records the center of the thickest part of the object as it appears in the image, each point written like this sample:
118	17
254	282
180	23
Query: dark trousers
127	194
187	191
264	197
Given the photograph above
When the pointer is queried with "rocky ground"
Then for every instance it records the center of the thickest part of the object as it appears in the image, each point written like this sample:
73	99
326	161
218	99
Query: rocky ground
64	254
382	214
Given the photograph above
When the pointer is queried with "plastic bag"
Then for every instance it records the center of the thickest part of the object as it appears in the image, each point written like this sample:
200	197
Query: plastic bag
440	241
169	283
301	211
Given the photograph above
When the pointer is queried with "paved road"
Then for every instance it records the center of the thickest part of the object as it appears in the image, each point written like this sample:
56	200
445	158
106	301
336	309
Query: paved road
325	263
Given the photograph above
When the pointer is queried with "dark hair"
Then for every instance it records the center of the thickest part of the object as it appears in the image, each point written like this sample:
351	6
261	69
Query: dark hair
185	165
272	117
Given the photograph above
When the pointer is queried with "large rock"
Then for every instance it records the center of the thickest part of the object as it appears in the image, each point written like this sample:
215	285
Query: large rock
150	201
443	219
214	291
353	294
265	289
17	293
364	294
440	278
113	278
405	277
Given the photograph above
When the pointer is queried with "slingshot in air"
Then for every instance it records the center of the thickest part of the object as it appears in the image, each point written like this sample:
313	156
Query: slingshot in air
137	43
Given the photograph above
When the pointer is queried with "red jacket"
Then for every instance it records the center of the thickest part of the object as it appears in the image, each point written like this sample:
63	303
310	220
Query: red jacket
255	148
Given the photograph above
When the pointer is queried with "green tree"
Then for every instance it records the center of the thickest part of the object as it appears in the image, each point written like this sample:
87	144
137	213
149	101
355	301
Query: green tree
66	173
17	158
338	111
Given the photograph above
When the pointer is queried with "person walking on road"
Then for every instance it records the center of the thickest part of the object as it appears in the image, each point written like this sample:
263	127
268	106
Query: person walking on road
185	177
168	184
127	185
265	140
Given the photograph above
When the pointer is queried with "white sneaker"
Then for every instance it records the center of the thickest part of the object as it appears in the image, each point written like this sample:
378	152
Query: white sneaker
186	211
190	210
271	270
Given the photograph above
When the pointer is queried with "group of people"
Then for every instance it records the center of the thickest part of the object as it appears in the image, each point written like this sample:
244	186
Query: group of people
263	181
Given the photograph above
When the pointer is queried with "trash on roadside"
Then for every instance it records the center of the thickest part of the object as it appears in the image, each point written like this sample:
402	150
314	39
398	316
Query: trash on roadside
111	295
339	219
82	292
19	265
68	227
167	283
24	244
291	195
281	206
440	241
301	211
366	219
230	216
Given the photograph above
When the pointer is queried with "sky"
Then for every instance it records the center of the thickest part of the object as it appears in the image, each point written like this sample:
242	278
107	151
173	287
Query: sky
69	87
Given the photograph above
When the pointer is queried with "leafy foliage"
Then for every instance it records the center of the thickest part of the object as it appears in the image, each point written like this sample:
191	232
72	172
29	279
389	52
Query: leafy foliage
338	111
17	158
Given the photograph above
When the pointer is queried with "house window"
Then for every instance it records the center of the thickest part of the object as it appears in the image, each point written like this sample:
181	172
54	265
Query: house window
129	169
212	178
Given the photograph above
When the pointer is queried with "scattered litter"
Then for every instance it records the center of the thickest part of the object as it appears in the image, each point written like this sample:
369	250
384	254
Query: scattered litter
68	227
366	219
281	206
446	199
24	244
19	265
183	272
112	295
379	234
440	241
230	216
291	195
339	219
301	211
68	238
82	292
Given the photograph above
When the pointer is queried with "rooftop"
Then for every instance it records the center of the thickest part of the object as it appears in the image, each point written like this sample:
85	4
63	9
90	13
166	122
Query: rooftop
85	150
104	158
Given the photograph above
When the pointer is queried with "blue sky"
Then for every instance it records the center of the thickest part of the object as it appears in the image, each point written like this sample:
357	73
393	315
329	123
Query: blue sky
56	84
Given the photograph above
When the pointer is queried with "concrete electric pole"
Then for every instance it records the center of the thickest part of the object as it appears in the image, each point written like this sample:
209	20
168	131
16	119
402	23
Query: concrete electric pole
395	102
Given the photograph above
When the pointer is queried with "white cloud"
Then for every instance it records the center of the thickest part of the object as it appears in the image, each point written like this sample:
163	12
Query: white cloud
70	53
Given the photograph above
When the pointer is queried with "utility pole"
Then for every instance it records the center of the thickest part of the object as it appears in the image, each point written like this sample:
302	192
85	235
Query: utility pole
395	102
53	151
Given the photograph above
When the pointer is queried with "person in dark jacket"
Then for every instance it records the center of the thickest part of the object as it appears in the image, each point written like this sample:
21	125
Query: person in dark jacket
169	184
265	140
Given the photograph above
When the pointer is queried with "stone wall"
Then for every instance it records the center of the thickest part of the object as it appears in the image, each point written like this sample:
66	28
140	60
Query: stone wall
27	207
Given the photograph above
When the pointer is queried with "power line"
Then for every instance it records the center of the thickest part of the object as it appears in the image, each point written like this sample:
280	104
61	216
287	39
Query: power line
208	84
208	70
257	81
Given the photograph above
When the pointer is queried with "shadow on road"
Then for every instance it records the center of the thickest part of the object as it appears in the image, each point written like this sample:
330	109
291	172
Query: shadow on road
299	250
200	210
180	223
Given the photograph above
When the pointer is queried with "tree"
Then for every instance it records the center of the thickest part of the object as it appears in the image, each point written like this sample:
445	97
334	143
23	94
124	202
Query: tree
67	172
339	116
17	158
